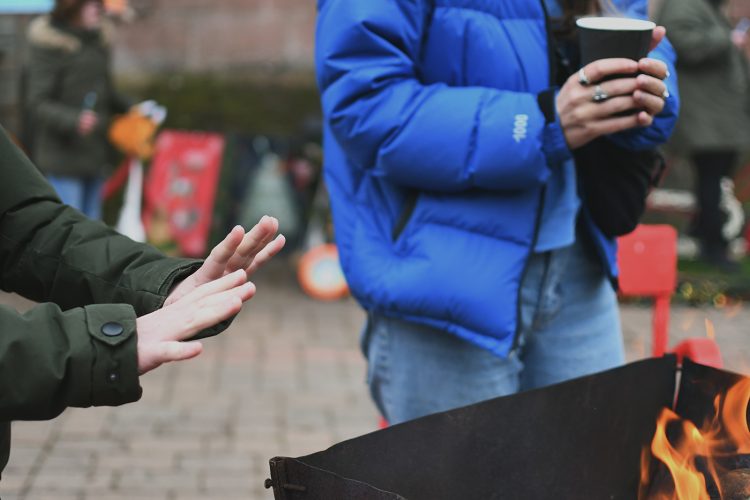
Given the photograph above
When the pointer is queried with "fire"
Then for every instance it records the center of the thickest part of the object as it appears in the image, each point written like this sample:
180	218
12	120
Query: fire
695	456
689	483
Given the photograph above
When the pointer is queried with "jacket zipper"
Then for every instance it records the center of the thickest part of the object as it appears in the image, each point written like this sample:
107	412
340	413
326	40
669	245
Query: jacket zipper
542	194
406	212
537	225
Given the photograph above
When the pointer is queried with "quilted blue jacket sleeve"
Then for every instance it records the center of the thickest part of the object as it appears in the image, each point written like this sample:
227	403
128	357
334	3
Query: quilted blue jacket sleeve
431	137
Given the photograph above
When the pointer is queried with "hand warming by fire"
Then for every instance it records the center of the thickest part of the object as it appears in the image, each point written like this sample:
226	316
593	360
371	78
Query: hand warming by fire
708	463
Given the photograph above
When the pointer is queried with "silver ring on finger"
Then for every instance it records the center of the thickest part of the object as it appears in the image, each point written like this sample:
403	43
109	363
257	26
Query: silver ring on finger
582	78
665	95
599	94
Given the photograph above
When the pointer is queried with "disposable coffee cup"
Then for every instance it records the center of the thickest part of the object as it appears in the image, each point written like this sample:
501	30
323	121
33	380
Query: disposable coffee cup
605	37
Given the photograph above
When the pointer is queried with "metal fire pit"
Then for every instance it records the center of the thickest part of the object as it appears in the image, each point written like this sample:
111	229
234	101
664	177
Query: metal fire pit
579	439
576	440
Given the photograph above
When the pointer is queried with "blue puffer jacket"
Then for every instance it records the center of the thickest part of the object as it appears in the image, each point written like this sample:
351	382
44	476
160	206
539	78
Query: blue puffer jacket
436	154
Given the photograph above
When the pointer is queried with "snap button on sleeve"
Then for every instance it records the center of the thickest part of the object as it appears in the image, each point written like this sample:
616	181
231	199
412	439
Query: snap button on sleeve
112	329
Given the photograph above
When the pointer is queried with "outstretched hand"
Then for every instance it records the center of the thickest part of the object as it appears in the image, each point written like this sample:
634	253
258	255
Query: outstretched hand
212	294
237	251
160	333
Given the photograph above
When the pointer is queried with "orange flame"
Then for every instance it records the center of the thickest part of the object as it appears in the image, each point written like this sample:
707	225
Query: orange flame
689	483
734	415
726	434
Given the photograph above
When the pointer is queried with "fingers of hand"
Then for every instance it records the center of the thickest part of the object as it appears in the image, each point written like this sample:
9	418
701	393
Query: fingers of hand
605	67
653	67
266	254
614	88
652	104
657	36
246	291
651	85
613	125
214	309
645	119
612	106
219	285
185	319
254	241
589	112
153	354
216	263
177	351
223	305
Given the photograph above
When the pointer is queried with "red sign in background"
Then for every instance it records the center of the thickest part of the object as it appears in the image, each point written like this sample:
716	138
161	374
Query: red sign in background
180	190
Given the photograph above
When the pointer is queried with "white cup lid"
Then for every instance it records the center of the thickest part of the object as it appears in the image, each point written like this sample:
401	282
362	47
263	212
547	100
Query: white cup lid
615	24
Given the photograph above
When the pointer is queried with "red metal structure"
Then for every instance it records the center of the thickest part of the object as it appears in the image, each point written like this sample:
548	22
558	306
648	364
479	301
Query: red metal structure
647	259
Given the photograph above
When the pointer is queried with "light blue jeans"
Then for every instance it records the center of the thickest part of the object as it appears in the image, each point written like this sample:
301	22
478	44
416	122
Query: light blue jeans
82	193
570	327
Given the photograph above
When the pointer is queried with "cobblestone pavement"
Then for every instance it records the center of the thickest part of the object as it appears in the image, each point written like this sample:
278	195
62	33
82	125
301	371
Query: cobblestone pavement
287	379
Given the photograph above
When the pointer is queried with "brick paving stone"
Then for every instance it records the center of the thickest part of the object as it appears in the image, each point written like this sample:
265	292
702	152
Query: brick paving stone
127	495
164	445
286	380
34	436
58	460
101	479
216	484
228	462
12	484
224	496
64	481
23	456
142	480
119	461
43	495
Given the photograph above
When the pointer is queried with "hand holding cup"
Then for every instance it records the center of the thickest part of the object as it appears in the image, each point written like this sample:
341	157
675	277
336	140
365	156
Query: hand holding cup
617	88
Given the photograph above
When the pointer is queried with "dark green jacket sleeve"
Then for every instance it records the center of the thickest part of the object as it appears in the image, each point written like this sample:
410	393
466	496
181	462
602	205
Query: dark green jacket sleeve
50	359
49	252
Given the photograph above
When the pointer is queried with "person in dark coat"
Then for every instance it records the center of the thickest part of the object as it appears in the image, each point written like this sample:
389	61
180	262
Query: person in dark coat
71	100
110	309
714	126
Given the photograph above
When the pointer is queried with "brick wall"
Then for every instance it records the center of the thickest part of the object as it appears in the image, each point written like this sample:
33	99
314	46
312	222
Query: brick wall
221	35
218	35
740	8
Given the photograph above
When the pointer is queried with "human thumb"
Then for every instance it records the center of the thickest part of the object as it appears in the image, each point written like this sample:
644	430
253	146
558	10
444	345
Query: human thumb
178	351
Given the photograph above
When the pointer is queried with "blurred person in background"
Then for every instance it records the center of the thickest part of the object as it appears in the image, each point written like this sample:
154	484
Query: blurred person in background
71	100
714	125
110	309
450	130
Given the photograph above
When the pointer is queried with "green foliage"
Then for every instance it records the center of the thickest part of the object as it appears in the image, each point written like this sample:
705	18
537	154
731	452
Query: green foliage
252	105
700	283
